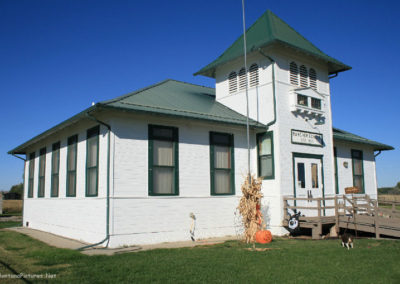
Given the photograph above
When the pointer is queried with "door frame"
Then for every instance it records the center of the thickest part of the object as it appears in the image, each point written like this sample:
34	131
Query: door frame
312	156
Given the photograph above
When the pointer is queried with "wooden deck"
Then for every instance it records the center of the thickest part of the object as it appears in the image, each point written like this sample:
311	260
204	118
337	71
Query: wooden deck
354	212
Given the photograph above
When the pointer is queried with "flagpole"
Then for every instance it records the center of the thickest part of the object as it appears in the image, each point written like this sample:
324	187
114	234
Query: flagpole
247	93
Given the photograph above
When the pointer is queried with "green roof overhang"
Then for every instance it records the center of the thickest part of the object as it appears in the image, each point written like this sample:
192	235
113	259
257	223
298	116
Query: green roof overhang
342	135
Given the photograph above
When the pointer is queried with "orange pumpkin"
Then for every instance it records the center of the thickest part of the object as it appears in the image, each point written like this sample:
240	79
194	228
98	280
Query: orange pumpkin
263	237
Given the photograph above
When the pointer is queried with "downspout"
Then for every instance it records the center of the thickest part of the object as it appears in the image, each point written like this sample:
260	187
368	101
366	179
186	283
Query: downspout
107	238
273	86
377	154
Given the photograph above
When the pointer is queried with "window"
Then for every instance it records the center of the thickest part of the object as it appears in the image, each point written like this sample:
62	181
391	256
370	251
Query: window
336	171
302	100
242	79
232	82
163	160
303	76
265	150
31	174
55	168
222	164
42	171
301	175
313	79
358	169
314	175
294	74
92	161
315	103
253	75
72	152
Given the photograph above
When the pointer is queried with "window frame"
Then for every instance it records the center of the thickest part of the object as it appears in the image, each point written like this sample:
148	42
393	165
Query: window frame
336	170
353	158
31	174
254	78
72	141
269	134
175	140
212	162
316	103
242	77
90	133
42	178
55	147
312	76
233	82
294	74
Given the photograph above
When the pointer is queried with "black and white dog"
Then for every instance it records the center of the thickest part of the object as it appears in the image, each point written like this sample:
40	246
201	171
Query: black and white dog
347	241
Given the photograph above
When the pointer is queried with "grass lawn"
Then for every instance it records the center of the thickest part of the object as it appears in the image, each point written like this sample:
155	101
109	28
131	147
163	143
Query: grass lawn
289	261
9	224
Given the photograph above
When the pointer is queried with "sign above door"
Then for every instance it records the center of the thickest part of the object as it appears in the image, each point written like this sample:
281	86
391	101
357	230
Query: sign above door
307	138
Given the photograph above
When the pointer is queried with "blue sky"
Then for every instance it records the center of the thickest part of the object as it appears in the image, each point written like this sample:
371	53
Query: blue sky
57	57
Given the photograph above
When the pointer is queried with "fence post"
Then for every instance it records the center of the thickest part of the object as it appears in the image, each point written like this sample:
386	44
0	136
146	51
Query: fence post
376	219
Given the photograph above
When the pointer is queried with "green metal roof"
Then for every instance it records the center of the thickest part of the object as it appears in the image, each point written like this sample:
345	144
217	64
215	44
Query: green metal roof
339	134
182	99
169	97
269	29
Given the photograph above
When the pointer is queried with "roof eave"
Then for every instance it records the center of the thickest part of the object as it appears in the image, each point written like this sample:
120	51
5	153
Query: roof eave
335	66
376	146
254	125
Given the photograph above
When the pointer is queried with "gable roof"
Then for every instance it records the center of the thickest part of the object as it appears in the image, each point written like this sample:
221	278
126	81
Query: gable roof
269	29
169	97
339	134
181	99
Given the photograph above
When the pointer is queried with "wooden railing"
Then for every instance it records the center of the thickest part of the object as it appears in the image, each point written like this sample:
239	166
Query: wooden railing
320	207
356	211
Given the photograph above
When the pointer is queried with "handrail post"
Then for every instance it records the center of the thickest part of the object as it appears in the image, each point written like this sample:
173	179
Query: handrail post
285	214
336	215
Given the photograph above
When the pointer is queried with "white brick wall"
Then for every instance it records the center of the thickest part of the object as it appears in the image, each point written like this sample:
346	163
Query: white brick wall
79	217
138	218
345	175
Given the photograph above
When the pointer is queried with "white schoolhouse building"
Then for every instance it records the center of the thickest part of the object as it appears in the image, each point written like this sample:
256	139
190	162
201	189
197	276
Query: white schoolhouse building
130	170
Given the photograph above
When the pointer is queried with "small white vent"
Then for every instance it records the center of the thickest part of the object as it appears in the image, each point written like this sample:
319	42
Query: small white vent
303	76
313	79
242	79
232	82
294	74
253	75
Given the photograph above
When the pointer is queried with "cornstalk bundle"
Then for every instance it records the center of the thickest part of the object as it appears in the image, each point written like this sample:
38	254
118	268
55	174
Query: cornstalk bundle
249	206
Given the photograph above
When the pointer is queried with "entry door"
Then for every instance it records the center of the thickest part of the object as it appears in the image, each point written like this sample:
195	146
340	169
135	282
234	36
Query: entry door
308	183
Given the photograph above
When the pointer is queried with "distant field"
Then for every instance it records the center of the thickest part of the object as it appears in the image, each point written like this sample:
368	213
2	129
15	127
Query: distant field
12	206
388	198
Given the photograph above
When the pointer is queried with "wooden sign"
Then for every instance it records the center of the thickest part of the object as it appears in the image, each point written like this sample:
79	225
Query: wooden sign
353	189
307	138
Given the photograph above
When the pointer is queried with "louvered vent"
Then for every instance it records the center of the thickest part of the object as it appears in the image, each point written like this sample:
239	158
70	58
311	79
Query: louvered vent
232	82
253	75
294	74
313	79
242	79
303	76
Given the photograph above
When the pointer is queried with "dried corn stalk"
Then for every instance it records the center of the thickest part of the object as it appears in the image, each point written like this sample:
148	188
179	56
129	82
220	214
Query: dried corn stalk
251	217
